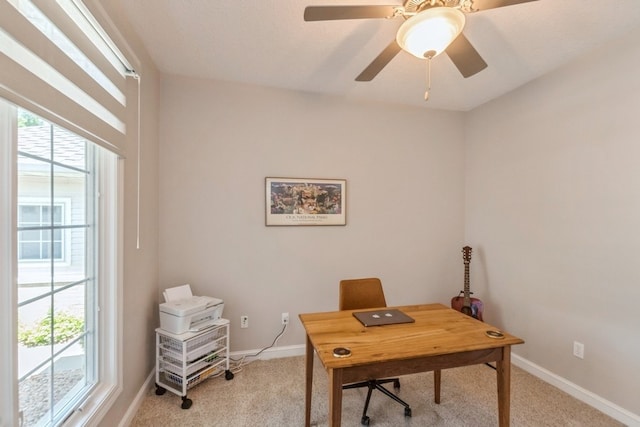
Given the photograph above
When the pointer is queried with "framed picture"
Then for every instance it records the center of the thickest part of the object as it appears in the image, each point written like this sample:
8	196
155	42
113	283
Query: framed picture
305	201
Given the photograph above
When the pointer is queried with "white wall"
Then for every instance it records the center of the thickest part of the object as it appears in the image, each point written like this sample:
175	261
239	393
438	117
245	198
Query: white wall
553	209
218	142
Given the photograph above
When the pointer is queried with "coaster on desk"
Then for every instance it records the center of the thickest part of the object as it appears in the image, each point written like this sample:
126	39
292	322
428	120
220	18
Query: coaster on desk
494	334
341	352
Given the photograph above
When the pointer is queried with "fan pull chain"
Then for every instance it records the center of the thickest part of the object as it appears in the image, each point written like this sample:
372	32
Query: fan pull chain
429	56
426	94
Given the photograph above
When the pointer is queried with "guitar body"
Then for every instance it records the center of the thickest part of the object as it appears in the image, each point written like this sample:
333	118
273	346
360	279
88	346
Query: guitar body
474	310
464	303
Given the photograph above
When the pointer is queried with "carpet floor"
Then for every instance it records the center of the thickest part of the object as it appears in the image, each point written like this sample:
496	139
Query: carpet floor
269	393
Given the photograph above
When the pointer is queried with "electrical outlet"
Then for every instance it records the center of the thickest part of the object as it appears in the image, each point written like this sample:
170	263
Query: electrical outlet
285	318
578	349
244	321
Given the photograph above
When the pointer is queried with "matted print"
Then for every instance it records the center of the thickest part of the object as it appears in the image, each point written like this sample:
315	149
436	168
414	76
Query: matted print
305	201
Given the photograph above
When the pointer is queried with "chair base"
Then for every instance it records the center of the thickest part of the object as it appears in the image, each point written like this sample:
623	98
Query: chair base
378	385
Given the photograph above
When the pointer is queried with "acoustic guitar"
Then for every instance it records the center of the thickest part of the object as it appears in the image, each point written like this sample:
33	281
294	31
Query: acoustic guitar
464	302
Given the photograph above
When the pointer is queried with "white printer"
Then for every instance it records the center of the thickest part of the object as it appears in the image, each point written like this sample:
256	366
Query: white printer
184	312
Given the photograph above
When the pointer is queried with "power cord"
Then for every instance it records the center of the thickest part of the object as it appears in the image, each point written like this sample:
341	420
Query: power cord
239	363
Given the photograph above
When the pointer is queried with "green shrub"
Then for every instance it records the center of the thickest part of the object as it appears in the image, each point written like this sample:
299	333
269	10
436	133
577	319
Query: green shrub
65	327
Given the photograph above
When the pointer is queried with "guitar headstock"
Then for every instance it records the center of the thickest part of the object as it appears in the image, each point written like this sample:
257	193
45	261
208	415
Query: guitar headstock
466	254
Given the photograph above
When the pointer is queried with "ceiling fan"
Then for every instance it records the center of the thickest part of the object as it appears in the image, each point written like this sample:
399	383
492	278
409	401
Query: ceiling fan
430	28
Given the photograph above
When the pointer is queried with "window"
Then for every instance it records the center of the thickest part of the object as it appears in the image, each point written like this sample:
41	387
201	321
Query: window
35	241
56	302
64	202
66	101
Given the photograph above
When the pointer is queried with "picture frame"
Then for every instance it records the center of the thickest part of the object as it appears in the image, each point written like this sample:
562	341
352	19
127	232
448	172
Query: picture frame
305	201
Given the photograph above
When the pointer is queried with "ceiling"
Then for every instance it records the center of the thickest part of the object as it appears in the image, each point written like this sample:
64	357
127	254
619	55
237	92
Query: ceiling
268	43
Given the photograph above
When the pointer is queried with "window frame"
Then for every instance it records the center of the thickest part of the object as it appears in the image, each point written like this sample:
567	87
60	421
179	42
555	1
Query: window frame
8	263
110	272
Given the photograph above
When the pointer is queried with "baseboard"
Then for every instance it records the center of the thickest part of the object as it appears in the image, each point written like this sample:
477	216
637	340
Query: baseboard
614	411
271	353
137	401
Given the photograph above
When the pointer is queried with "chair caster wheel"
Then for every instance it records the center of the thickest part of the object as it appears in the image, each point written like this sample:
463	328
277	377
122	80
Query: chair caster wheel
228	375
365	421
396	384
407	412
186	403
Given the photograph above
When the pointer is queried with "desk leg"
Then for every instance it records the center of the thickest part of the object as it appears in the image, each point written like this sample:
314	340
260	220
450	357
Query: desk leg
308	383
437	374
335	397
503	372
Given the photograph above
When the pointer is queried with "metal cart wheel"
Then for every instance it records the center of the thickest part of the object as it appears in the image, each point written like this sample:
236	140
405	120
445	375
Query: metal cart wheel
186	403
228	375
160	390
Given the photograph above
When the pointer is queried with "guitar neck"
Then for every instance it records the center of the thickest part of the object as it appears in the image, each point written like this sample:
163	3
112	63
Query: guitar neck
467	291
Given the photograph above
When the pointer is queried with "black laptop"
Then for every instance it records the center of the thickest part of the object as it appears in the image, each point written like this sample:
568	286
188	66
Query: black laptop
382	317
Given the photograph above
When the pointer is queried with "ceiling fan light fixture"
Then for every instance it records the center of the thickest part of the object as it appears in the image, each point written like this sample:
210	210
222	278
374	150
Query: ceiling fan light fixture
431	31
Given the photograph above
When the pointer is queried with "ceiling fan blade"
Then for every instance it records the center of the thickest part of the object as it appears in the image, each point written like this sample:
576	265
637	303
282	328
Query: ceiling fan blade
330	13
379	63
465	57
492	4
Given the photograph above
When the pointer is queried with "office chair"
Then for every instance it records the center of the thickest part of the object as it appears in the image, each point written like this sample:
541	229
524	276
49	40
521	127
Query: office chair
356	294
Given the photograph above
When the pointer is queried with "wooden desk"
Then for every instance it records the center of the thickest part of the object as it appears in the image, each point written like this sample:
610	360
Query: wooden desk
440	338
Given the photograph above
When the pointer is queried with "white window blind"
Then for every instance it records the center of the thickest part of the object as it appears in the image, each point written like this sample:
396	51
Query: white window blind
56	61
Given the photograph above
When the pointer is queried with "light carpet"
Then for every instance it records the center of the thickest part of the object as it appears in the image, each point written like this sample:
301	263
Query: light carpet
271	393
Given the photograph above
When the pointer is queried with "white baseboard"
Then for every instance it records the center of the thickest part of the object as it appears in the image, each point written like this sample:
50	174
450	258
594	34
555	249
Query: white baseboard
614	411
137	401
272	353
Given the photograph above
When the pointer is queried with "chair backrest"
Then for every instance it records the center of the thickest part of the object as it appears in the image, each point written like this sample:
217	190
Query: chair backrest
361	293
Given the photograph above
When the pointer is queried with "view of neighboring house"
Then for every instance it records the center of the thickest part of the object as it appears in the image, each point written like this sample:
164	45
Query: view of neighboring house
36	204
53	219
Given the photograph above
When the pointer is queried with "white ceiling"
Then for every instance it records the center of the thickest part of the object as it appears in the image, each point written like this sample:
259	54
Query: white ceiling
268	43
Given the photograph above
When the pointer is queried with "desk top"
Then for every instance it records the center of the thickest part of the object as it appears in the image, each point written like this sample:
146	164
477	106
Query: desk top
437	330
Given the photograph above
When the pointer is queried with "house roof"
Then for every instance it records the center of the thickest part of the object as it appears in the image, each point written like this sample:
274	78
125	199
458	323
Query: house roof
68	148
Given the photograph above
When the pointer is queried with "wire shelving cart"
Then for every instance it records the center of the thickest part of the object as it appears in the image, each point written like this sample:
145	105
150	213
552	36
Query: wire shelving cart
185	360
